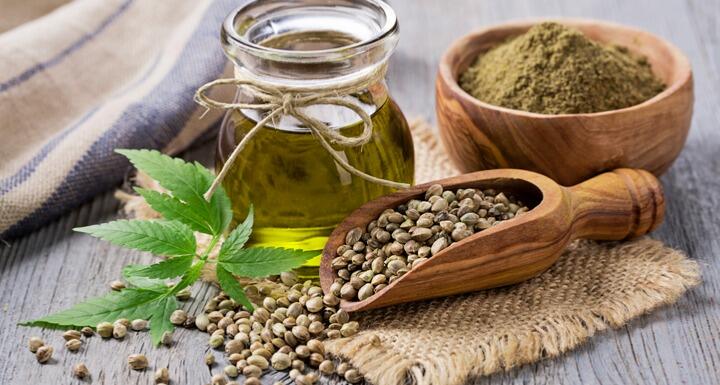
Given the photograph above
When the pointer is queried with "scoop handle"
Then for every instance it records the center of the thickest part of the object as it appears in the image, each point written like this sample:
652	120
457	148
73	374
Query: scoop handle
621	204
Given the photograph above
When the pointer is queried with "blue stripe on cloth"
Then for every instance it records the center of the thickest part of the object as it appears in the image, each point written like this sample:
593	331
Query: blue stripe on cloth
150	123
39	67
26	171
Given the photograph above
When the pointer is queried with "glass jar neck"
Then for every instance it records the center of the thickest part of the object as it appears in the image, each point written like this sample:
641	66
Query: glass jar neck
310	42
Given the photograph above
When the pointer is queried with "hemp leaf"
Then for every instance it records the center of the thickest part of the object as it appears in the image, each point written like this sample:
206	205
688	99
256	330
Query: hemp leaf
187	182
184	210
238	237
135	280
158	237
131	303
264	261
232	287
173	208
160	318
169	268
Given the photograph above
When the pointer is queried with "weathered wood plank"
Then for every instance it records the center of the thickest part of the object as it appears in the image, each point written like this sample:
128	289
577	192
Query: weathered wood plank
54	268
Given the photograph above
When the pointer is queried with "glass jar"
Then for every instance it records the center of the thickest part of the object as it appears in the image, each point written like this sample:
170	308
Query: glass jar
298	191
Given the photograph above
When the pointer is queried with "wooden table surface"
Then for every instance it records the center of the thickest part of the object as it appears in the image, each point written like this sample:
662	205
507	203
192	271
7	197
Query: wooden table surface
54	268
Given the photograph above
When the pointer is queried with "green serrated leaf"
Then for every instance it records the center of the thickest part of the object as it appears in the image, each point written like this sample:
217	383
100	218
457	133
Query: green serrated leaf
134	280
184	180
265	261
158	237
169	268
187	182
175	209
131	303
221	202
237	238
232	287
160	319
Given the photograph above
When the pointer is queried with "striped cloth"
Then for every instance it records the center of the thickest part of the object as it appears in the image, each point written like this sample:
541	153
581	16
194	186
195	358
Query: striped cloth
92	76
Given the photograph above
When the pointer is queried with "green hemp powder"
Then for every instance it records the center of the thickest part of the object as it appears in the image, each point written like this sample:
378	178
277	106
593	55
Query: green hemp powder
554	69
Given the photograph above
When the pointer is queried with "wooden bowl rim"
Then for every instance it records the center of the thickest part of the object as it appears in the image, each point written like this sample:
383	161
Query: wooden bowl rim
682	65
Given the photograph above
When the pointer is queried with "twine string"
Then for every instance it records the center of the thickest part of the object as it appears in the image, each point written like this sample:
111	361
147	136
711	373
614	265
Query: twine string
289	100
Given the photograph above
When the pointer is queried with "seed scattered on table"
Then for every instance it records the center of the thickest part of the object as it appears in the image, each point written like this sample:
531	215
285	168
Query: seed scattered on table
166	338
119	331
231	371
73	345
72	335
178	317
81	371
184	294
44	354
216	340
218	379
105	329
87	331
117	285
162	376
138	325
34	343
137	361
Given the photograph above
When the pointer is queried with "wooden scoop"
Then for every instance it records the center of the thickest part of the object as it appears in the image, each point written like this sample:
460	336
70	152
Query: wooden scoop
621	204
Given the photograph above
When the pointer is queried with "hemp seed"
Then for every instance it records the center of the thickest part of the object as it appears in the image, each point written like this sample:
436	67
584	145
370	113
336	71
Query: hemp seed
117	285
138	325
218	379
44	354
34	343
178	317
72	335
81	371
162	376
166	338
105	329
119	331
73	345
231	371
137	361
353	376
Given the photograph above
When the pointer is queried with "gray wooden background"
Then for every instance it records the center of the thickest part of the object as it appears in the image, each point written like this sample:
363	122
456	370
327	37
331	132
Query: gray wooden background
679	344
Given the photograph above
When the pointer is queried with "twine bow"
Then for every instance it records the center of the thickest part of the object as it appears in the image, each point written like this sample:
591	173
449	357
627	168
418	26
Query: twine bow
289	100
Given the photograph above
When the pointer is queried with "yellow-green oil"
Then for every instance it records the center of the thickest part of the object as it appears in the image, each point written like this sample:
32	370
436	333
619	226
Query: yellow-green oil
298	191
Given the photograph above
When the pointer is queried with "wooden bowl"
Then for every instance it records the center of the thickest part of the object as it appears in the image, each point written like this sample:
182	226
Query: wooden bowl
571	147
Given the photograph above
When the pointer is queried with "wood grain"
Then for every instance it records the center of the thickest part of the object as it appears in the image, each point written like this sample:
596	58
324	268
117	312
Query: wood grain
622	204
679	344
573	147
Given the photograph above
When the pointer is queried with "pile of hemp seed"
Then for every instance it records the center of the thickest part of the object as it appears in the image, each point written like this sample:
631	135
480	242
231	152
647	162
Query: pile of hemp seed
401	239
284	332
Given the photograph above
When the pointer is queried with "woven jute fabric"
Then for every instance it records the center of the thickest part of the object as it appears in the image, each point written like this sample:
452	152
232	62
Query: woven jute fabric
592	287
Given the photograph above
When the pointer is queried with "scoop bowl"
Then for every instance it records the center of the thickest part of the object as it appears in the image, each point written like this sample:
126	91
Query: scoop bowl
621	204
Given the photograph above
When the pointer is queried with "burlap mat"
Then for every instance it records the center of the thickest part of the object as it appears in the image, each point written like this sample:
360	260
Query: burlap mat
593	286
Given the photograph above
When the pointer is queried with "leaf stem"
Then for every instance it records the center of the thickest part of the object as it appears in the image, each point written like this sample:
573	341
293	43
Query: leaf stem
210	247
